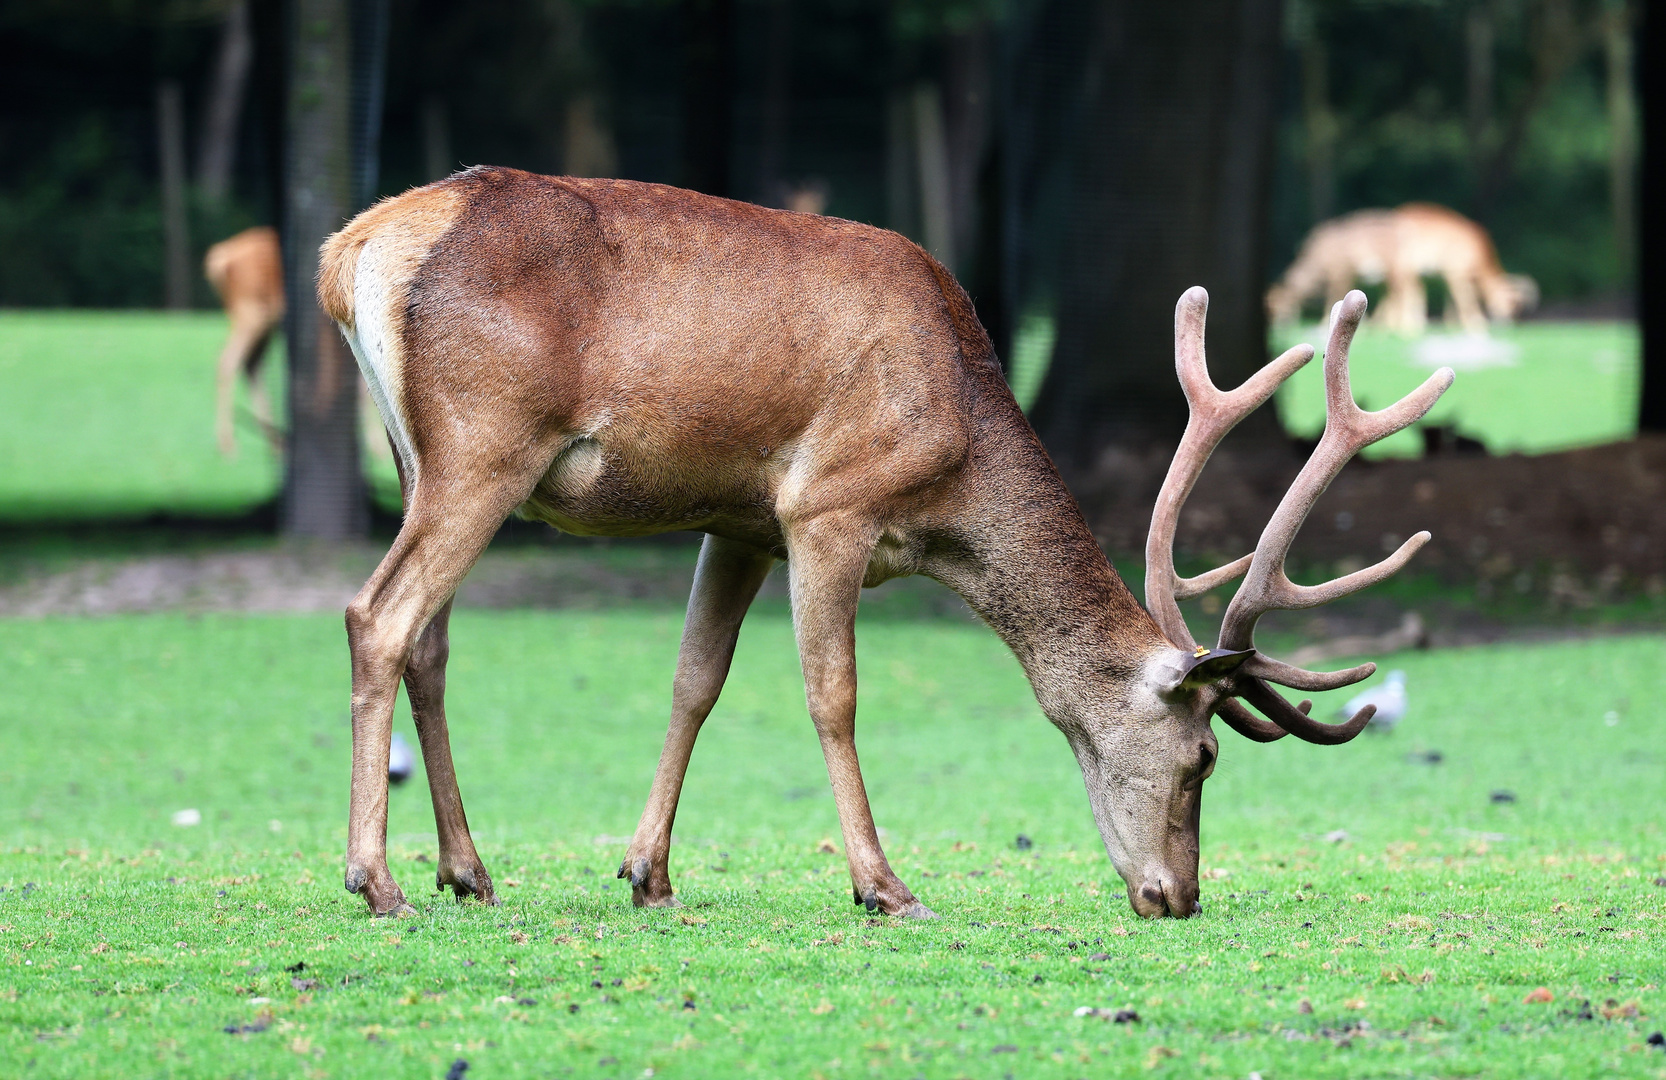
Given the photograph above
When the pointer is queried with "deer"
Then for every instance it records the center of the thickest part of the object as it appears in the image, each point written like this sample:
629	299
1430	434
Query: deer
1401	247
246	271
620	358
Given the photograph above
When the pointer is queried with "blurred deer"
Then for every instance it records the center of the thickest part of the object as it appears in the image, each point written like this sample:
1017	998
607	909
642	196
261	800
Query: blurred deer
622	359
1401	247
246	271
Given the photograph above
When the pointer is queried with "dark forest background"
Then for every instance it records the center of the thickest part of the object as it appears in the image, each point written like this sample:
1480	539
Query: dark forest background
1084	159
1504	109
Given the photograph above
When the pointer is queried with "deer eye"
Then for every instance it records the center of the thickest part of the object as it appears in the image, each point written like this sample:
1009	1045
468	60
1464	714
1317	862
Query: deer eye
1205	761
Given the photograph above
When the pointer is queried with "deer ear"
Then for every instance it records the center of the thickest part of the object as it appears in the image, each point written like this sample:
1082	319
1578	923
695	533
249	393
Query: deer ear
1178	672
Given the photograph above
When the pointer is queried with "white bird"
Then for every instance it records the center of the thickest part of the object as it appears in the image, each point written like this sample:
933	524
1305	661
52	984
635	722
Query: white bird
1390	699
401	762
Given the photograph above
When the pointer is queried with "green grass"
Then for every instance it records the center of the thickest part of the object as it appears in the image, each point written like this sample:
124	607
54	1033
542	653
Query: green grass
1534	388
111	415
127	944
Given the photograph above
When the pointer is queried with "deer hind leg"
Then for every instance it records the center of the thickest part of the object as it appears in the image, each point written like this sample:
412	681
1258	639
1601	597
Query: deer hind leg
460	866
240	355
827	559
447	526
725	581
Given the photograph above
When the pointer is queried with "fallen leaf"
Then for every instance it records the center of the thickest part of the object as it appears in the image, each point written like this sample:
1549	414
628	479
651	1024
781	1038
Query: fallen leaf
1539	996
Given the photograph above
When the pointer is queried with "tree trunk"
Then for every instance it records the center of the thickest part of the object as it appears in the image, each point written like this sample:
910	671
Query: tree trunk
777	105
324	494
1169	176
1479	78
438	161
1651	416
369	30
176	231
1321	125
1622	132
901	189
931	165
708	94
217	147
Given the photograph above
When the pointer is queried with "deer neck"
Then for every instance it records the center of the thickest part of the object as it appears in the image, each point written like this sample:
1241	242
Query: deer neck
1035	574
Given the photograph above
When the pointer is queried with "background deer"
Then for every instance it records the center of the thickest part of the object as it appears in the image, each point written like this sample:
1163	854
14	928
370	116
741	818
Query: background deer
246	271
1401	247
622	358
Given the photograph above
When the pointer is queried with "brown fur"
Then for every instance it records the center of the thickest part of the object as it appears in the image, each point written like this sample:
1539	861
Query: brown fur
621	358
1401	247
246	272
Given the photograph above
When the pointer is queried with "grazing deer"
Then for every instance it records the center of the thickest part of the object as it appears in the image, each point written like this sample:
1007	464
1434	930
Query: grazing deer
1401	247
246	271
619	358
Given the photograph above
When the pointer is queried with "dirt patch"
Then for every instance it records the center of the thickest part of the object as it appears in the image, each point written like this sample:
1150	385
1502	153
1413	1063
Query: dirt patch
1578	528
1551	535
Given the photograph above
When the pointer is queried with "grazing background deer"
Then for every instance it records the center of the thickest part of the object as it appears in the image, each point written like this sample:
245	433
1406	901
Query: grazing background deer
621	358
1401	247
246	271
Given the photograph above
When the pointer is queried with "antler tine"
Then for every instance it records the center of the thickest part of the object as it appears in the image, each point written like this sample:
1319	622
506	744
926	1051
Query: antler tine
1296	721
1246	723
1213	413
1348	429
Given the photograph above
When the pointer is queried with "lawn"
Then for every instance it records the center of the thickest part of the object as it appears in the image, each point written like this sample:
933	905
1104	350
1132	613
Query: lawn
110	414
1370	910
1531	388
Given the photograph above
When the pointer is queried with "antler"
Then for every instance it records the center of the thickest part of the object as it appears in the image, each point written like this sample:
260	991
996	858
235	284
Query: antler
1348	429
1213	413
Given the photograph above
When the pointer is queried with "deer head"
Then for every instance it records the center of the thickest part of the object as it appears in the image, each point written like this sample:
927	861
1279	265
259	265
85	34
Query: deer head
1145	757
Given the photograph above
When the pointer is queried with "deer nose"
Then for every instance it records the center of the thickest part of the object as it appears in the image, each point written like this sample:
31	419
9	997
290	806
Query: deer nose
1155	899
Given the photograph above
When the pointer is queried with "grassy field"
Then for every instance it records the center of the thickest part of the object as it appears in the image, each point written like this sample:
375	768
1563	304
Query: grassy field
1369	911
1532	388
110	414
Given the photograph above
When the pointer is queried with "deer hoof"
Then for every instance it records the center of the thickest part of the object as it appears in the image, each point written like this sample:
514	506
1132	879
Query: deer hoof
466	882
640	871
917	910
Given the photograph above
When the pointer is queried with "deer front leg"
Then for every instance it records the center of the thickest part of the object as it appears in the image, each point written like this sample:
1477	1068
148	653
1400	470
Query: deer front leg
1466	302
460	866
827	560
725	581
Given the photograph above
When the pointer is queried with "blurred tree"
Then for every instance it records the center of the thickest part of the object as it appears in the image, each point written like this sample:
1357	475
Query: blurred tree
1168	172
176	229
223	105
324	493
708	94
1651	414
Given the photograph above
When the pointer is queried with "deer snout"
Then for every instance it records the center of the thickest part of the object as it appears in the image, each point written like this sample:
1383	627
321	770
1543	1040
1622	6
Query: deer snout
1165	896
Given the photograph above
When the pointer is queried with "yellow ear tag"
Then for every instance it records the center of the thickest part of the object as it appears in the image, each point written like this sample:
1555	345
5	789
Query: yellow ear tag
1200	651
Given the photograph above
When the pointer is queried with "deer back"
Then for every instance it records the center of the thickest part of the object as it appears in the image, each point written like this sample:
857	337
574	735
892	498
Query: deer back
677	356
